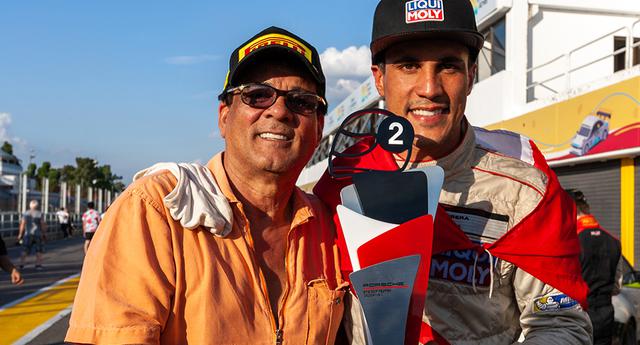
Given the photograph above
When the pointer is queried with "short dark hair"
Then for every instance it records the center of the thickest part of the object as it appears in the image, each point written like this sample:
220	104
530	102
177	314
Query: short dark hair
581	202
90	204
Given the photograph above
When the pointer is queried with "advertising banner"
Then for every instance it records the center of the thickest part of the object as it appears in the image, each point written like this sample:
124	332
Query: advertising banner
604	120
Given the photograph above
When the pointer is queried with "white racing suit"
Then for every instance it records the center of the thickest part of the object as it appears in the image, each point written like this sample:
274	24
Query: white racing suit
490	185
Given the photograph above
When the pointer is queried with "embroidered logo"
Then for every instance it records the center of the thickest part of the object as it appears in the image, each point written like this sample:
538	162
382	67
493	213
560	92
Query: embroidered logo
424	11
553	303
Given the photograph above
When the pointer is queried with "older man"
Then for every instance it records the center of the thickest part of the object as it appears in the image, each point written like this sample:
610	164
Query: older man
158	275
517	270
32	233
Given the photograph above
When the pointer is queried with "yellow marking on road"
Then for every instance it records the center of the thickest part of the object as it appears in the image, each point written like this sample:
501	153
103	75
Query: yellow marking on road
20	319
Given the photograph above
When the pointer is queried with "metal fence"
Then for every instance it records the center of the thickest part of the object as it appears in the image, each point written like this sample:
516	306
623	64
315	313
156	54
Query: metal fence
557	78
10	222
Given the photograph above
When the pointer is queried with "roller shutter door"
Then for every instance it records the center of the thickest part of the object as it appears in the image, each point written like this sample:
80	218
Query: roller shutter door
600	183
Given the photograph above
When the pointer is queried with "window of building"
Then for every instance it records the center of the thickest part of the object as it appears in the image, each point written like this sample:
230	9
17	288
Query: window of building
619	59
492	59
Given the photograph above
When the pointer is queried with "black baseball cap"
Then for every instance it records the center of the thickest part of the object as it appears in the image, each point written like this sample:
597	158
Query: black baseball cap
401	20
274	40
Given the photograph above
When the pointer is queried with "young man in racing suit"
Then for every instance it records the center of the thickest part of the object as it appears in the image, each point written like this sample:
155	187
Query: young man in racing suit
601	261
498	190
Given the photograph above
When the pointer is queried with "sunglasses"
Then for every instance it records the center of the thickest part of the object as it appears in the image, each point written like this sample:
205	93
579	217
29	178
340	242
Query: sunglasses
262	96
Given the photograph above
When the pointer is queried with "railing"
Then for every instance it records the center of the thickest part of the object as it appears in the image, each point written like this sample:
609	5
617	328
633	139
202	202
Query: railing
569	67
10	222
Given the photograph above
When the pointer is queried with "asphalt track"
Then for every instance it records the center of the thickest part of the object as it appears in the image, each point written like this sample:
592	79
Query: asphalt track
37	312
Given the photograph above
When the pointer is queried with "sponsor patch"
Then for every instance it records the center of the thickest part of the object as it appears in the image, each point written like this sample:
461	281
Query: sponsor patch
551	303
457	266
424	11
481	226
275	39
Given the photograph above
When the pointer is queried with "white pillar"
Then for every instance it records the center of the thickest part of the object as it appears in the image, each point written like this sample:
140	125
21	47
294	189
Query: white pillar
90	194
63	194
78	198
19	205
45	195
25	180
108	198
100	209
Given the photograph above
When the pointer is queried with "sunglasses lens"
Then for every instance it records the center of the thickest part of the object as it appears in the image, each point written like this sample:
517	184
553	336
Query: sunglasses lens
259	96
302	103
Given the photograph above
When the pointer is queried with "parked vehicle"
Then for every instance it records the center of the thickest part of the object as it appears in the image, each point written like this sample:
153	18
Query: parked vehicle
626	307
592	131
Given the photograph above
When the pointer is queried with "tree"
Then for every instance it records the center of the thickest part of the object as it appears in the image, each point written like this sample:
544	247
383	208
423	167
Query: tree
31	170
86	172
54	180
7	147
68	174
43	172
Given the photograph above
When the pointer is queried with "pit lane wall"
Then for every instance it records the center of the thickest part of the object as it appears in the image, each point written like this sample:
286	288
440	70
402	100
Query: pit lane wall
592	141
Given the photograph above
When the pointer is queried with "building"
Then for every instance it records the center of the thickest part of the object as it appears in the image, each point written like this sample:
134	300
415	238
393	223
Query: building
565	73
10	170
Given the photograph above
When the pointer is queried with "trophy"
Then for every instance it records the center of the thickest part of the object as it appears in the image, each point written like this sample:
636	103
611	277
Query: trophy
387	225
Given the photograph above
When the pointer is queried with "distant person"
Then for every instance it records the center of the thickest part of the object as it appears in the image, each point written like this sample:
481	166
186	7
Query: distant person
7	265
90	221
601	263
32	234
63	221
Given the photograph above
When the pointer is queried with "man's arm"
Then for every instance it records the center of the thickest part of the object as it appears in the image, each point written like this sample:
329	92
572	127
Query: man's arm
21	228
134	259
617	284
7	266
543	321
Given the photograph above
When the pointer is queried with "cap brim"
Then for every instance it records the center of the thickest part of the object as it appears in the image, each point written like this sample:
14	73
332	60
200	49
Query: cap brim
468	38
274	51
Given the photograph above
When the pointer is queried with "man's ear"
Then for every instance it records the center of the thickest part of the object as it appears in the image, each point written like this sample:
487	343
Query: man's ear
223	114
471	75
378	76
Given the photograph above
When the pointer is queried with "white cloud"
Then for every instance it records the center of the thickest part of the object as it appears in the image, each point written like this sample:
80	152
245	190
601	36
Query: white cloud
5	132
5	123
349	62
190	59
345	70
21	147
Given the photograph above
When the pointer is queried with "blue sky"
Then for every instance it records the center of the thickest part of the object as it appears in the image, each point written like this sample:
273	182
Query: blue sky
131	83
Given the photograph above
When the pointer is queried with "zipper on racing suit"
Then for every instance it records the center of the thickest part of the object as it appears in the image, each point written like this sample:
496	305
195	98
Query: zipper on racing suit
278	332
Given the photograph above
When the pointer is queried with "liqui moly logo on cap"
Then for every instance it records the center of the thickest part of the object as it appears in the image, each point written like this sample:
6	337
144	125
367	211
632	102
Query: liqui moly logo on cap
424	11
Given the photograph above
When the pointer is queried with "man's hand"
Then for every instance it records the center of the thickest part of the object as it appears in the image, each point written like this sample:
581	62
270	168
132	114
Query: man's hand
16	277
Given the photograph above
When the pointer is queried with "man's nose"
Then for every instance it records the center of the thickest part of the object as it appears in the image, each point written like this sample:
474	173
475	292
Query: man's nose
279	110
429	85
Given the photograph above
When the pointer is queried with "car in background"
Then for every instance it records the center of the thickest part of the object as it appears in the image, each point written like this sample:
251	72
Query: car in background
626	307
592	131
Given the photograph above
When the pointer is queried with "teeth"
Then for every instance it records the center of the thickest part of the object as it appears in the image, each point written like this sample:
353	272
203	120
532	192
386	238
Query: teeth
422	112
272	136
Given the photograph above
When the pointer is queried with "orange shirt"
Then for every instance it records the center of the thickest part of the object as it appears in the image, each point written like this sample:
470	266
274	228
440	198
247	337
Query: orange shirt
146	279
